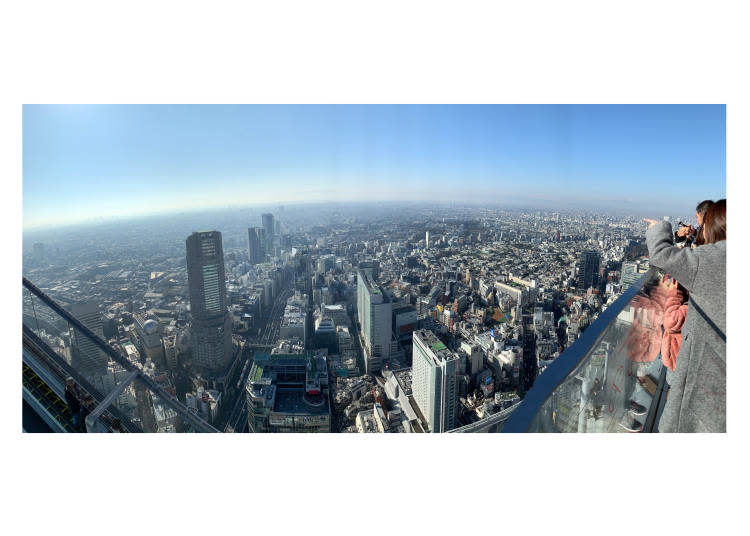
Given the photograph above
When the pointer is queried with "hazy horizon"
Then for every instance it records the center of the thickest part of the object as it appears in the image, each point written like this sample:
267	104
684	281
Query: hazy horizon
102	163
253	210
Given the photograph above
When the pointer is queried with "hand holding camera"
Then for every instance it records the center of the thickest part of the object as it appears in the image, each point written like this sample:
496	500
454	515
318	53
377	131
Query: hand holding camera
685	230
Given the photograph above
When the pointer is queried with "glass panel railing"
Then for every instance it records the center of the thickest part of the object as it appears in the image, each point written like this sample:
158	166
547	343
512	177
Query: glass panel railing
106	389
490	424
612	379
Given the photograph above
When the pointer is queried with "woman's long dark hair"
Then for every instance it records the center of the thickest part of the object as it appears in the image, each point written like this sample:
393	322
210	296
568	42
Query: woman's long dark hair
701	209
715	222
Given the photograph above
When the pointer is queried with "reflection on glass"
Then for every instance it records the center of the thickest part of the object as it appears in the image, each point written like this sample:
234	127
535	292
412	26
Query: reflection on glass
614	387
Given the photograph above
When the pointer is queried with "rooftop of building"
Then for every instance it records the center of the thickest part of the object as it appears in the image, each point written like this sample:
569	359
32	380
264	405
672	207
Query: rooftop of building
433	343
264	359
255	374
403	378
367	417
510	283
263	389
295	401
371	286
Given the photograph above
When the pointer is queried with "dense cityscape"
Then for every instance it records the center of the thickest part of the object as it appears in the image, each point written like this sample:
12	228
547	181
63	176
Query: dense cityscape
347	318
501	228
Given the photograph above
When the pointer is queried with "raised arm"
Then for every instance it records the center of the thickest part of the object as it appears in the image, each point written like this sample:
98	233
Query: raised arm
680	263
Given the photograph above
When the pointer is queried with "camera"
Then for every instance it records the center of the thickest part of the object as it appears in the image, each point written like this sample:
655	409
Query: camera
686	240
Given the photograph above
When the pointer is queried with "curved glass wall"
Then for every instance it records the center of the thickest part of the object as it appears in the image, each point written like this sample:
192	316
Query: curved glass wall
613	379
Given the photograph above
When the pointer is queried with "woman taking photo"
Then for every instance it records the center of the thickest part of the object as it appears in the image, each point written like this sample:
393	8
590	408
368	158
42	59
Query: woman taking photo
697	395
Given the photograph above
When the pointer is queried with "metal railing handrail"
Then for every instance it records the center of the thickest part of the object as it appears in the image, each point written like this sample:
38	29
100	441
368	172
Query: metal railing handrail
487	422
51	359
179	407
561	367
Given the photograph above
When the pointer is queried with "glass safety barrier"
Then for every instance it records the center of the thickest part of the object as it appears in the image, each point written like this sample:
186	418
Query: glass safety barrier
612	379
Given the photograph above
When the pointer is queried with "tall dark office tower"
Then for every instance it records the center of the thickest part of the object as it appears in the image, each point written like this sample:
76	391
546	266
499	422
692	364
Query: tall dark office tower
268	224
86	357
269	227
256	237
588	269
211	334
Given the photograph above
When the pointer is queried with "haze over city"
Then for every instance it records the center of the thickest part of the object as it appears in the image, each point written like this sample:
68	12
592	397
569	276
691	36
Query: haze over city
351	269
94	163
476	274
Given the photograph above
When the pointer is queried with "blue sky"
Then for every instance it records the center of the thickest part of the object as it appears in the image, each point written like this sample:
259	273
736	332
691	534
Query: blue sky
97	161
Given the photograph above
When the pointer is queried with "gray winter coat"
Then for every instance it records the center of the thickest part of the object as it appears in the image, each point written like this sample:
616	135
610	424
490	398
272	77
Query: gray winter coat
697	396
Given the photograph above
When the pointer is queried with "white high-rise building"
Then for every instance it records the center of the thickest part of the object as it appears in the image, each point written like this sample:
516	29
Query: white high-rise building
433	381
427	240
374	311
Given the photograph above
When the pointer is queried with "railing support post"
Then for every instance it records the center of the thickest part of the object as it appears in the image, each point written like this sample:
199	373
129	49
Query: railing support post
92	417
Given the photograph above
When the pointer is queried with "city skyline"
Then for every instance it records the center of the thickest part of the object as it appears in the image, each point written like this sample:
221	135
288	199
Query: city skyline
348	295
110	162
475	219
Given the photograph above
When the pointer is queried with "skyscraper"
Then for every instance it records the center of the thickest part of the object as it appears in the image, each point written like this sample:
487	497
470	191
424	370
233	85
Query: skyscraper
86	357
211	333
374	311
588	269
427	240
256	237
269	227
433	383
